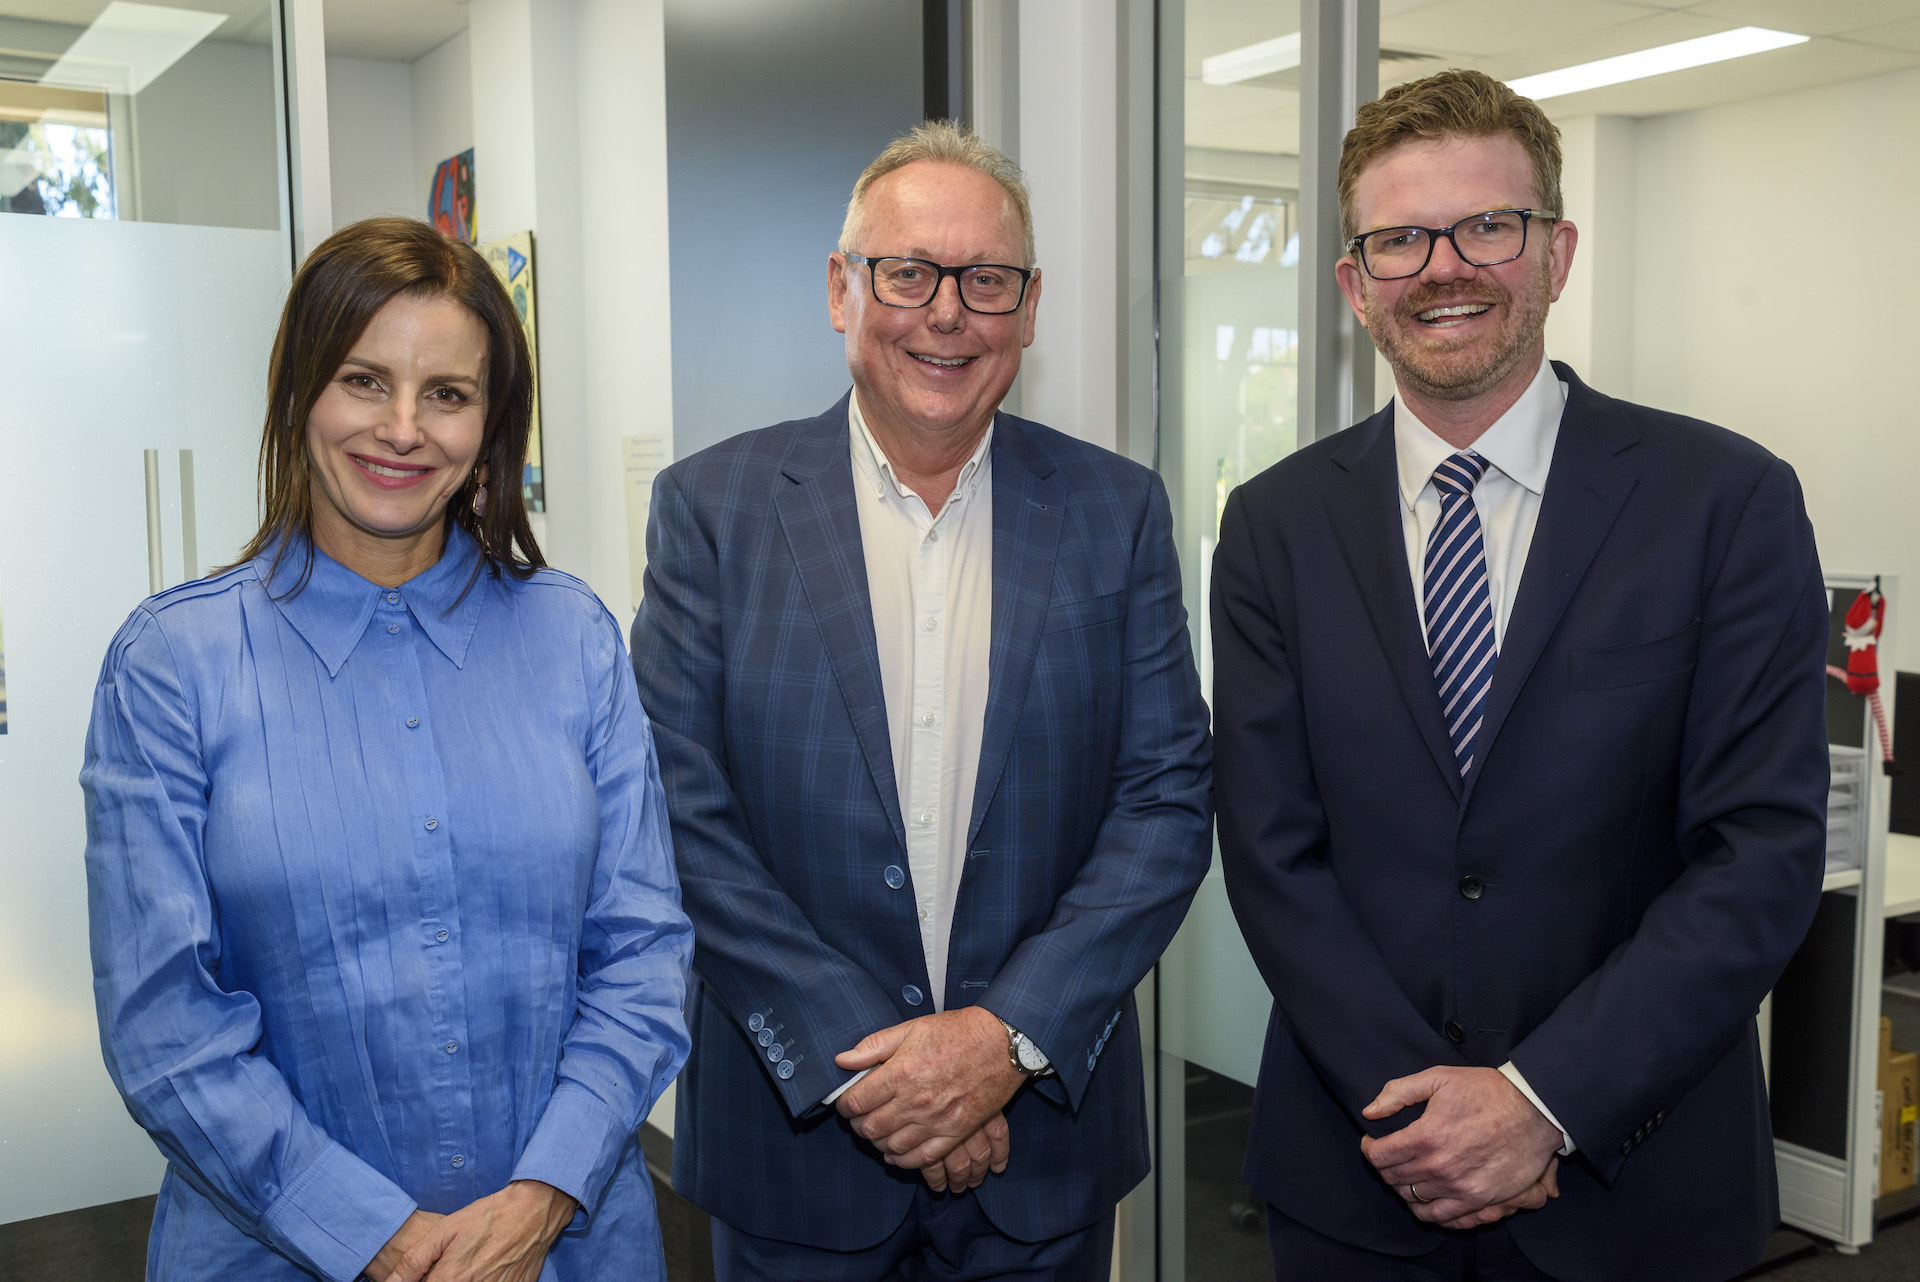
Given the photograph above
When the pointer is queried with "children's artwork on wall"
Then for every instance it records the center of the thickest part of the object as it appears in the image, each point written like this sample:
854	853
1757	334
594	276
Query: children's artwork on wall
451	200
512	259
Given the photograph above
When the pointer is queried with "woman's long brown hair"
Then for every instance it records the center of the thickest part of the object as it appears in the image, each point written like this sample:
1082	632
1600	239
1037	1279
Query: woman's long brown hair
335	295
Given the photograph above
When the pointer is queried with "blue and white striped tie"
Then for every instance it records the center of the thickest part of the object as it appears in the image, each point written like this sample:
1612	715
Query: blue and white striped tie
1459	606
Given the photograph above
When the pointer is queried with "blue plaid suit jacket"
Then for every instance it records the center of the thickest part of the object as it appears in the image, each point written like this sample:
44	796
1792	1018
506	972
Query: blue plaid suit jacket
756	660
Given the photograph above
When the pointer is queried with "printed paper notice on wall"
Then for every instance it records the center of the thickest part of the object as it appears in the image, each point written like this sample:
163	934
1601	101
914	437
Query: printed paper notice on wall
642	457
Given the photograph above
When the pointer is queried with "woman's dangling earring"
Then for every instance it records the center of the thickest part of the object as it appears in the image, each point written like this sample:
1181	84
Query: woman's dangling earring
480	496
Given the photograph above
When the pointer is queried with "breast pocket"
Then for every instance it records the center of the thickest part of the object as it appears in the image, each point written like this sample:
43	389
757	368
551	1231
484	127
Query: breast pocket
1632	665
1085	612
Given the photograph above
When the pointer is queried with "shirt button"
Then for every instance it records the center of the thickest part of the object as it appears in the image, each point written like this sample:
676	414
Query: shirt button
932	624
452	1047
393	627
1472	887
440	935
413	723
459	1160
894	876
925	915
1455	1033
933	536
913	995
432	824
393	598
927	718
926	816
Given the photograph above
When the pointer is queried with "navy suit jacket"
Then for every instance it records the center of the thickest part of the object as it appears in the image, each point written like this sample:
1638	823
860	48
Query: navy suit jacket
1089	830
1646	825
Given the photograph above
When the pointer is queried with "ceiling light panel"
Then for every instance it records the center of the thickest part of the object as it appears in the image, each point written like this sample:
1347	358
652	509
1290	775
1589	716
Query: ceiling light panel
1251	61
1658	61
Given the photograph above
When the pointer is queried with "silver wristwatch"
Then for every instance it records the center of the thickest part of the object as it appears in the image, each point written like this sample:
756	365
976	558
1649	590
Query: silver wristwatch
1028	1059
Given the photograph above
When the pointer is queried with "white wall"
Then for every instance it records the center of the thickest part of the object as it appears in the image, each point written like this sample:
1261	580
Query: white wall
370	140
570	141
1069	147
1763	300
442	111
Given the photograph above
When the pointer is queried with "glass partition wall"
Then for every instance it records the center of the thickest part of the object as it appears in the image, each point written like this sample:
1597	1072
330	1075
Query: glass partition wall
144	253
1231	185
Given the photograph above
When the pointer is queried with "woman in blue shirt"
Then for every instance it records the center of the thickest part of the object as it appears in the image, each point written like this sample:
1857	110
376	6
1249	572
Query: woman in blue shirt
387	942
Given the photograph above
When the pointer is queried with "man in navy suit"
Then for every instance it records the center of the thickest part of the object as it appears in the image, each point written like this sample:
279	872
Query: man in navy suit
1522	786
938	768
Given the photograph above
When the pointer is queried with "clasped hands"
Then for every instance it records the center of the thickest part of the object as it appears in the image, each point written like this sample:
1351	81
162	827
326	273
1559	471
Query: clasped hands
1480	1152
501	1238
932	1102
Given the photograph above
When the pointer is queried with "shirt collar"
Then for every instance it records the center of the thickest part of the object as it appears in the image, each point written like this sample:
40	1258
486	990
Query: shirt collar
870	461
1520	442
332	611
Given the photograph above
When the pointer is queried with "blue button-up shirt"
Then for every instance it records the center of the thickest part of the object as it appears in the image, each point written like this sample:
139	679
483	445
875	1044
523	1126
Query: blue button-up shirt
384	911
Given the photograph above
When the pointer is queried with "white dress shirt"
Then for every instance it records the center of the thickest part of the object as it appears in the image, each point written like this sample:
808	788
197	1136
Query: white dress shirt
930	583
1518	449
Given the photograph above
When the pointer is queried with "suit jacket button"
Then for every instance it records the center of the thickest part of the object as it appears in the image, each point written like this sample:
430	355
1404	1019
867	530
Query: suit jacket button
913	994
766	1037
1626	1148
895	878
1455	1033
1472	887
755	1022
776	1052
785	1070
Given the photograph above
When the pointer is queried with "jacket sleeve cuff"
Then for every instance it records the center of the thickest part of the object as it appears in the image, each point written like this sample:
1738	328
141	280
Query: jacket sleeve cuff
1512	1074
574	1148
338	1213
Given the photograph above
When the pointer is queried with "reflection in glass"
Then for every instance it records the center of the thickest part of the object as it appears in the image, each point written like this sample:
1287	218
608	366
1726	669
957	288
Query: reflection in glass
139	112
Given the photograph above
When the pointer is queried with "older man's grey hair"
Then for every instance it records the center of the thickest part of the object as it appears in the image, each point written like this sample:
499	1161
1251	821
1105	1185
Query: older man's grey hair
949	142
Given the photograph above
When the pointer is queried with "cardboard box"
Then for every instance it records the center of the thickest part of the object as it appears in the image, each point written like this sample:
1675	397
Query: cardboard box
1899	1113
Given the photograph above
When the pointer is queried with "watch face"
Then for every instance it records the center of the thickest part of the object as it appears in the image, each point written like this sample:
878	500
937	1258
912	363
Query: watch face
1030	1057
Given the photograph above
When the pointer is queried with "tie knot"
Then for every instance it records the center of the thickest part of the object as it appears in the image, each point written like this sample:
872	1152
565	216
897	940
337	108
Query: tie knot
1459	474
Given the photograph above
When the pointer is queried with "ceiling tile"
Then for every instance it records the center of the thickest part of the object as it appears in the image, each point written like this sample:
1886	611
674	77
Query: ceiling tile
1809	17
386	31
1894	35
1497	26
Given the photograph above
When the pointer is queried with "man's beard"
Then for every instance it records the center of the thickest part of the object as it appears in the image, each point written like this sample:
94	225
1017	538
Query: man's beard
1464	373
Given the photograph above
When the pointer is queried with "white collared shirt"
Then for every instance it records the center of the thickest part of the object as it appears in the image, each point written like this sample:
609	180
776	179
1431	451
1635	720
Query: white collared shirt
930	581
1518	449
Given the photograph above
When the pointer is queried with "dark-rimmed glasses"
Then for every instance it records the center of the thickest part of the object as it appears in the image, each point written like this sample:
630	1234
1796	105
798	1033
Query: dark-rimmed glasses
1481	240
991	289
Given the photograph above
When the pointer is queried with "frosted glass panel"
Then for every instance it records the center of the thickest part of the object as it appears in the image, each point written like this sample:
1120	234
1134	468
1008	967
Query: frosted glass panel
118	338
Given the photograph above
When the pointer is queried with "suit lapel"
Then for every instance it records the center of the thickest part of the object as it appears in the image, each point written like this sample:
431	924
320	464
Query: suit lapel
822	525
1365	510
1587	486
1027	510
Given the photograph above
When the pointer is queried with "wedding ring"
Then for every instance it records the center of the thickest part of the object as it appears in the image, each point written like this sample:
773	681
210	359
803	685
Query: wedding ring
1414	1193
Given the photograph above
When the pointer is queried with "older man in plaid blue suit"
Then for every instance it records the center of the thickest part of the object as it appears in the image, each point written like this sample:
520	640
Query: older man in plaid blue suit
939	772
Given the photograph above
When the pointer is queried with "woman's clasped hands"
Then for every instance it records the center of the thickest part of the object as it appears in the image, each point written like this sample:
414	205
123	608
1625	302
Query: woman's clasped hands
500	1238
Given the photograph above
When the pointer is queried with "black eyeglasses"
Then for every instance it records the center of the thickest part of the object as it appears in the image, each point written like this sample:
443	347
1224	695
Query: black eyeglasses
991	289
1481	240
